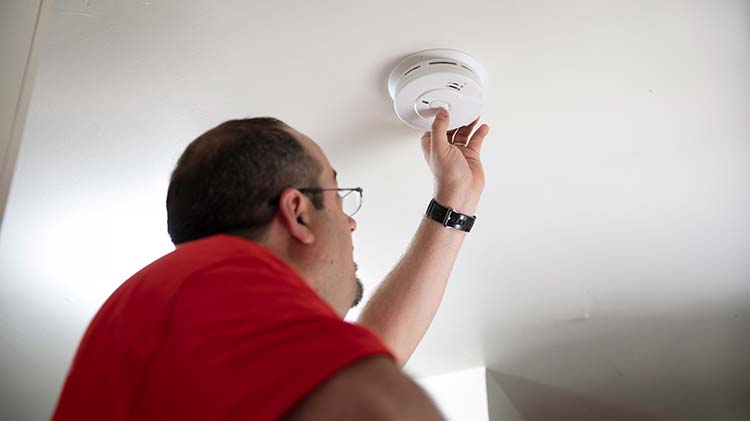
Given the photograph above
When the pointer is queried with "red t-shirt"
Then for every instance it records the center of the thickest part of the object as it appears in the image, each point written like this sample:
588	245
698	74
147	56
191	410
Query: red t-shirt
221	328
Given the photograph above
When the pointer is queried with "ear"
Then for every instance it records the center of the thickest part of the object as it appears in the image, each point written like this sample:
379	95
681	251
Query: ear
296	214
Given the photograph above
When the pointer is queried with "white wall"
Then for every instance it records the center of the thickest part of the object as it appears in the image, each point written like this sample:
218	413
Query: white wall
610	255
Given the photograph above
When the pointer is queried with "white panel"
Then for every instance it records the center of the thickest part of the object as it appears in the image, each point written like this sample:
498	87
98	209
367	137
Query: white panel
460	395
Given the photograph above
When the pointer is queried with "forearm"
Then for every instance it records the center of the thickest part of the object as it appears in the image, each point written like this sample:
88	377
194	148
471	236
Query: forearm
403	306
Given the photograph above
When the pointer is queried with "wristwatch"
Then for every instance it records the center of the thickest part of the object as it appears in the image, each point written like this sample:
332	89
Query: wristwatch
450	218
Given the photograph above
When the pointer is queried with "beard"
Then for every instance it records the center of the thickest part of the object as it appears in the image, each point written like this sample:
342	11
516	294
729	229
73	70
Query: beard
359	290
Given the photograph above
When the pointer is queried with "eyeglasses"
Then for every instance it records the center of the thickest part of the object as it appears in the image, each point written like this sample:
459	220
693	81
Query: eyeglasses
350	203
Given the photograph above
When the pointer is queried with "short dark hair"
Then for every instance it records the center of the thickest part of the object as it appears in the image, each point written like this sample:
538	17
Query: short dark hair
229	179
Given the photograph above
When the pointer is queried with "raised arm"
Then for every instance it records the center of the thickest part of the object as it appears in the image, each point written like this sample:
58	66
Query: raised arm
403	306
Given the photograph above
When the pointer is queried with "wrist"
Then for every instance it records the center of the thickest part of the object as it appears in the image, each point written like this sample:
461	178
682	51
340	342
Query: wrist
459	200
449	218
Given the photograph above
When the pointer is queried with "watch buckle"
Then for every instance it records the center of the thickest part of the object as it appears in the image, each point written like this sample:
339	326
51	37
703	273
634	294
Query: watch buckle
447	217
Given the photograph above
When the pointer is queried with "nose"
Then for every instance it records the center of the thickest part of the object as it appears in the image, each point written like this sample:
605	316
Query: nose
352	223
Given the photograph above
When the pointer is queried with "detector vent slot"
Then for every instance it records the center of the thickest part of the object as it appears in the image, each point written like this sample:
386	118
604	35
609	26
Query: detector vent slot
412	69
455	85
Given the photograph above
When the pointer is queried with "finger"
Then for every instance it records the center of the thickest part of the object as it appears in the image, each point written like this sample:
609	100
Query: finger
426	145
439	135
476	141
462	136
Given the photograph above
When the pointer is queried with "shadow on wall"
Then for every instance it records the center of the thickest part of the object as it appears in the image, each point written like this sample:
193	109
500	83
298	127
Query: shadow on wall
690	365
540	402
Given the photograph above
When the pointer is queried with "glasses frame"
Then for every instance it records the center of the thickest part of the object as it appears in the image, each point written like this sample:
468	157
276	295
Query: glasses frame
349	190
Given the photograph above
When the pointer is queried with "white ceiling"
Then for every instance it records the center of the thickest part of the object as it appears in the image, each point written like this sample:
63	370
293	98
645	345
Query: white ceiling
610	257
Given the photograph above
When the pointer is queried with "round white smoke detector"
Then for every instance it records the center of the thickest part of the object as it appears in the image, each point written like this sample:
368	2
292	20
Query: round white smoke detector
438	78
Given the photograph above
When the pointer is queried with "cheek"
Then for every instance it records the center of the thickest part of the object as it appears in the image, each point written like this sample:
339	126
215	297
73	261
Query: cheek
348	242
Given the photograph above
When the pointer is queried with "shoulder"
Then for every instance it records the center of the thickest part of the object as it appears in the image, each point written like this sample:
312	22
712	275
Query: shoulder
372	388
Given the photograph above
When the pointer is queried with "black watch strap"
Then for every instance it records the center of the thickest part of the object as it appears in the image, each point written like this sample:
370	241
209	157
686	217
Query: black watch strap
450	218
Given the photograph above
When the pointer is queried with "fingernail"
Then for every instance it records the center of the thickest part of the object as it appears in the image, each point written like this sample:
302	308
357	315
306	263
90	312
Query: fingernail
442	112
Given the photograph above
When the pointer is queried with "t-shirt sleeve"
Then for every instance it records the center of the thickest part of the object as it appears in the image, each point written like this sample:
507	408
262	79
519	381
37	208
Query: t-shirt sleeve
249	344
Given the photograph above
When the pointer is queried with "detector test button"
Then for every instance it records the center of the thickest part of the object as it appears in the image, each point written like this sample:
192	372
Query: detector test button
440	104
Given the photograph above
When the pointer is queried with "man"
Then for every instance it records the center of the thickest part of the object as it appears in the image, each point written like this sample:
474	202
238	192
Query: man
244	319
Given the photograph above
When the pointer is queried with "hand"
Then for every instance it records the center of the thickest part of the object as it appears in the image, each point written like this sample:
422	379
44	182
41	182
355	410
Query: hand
454	161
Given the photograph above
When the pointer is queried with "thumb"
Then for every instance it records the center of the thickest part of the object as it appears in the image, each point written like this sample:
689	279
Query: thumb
476	140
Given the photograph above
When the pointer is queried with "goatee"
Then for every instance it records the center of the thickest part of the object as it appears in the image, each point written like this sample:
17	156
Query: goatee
359	292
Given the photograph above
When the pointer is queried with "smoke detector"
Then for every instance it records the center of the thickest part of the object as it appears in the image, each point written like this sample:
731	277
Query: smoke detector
438	78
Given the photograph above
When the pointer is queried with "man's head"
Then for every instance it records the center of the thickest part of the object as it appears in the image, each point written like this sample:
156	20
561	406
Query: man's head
242	178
